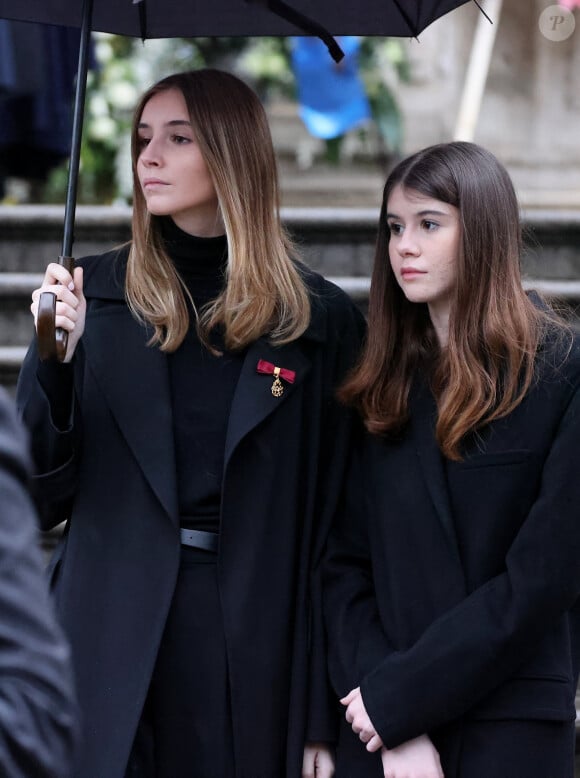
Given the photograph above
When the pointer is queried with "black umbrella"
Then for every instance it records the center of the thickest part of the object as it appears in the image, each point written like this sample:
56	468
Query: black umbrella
193	18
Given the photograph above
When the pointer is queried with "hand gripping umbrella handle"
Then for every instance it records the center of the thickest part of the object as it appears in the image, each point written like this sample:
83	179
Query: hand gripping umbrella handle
52	341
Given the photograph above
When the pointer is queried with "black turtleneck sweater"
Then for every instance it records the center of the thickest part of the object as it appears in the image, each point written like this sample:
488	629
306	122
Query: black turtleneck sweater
202	384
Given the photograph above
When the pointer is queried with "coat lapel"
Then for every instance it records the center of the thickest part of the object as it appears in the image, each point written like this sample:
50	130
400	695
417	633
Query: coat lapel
423	412
134	379
253	400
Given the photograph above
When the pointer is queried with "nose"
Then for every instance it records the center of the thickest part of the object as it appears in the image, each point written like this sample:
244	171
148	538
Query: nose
407	244
150	154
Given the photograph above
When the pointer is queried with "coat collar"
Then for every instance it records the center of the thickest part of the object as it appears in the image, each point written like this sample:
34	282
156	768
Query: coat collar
104	274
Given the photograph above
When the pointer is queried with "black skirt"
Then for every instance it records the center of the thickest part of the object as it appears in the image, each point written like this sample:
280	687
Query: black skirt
186	730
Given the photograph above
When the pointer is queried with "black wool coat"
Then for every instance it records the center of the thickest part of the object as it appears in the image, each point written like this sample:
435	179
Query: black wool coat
450	601
111	474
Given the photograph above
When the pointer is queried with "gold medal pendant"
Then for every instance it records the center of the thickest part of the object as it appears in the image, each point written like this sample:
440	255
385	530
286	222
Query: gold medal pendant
277	386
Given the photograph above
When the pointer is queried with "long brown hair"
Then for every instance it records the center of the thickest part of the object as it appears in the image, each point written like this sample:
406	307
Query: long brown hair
264	292
494	328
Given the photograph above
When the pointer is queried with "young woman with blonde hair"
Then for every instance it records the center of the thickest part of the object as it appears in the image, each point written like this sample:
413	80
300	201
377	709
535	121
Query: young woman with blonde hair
193	444
452	576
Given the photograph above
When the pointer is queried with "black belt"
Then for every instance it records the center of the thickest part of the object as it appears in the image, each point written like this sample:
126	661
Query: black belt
207	541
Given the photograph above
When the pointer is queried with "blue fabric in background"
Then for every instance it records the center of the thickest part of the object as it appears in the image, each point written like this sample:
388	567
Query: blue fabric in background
332	96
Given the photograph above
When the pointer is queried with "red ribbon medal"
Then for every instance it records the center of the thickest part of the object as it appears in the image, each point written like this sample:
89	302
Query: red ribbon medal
267	368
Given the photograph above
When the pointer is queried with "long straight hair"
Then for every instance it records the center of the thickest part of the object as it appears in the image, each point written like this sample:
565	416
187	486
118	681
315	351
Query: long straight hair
264	292
494	328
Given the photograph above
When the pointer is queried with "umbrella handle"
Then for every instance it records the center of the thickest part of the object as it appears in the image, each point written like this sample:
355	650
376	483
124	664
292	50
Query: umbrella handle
52	341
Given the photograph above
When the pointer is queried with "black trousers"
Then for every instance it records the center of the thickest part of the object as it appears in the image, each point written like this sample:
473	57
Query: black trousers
185	730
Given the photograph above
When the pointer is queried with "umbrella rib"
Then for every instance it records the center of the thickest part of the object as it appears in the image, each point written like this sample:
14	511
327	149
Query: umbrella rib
483	11
412	27
143	19
304	23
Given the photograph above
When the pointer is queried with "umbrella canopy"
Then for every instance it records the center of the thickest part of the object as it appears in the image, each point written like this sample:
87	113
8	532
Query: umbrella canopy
194	18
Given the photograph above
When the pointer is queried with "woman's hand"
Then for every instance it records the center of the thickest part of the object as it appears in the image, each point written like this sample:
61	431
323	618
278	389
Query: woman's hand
417	758
357	716
70	302
318	761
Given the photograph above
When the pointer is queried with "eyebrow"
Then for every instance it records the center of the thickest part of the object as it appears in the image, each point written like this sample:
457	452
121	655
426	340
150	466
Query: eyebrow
172	123
420	213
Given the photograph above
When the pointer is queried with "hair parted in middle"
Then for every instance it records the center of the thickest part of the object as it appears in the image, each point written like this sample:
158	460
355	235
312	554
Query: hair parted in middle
264	293
494	328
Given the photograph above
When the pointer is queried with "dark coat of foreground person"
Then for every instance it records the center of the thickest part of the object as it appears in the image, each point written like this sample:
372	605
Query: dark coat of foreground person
38	720
117	567
193	443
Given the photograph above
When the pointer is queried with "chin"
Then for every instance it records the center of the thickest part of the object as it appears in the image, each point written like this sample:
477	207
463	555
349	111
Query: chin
157	211
418	298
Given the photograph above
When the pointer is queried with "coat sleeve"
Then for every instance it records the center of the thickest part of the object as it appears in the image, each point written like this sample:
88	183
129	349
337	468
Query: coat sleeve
356	639
482	642
349	326
45	401
37	711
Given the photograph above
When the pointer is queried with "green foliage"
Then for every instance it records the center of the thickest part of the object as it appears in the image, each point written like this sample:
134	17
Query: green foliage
383	63
266	62
127	66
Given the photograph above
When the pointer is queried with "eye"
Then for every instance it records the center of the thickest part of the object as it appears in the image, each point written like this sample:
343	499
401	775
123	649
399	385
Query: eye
395	228
142	142
429	225
180	139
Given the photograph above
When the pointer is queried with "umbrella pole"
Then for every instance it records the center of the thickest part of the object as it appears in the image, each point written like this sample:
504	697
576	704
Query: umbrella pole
52	341
77	130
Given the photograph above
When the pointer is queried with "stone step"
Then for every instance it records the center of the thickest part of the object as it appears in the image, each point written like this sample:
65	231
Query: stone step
31	235
338	240
16	326
10	360
21	285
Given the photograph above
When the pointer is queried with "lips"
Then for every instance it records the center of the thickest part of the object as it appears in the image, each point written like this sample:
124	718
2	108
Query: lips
151	182
411	272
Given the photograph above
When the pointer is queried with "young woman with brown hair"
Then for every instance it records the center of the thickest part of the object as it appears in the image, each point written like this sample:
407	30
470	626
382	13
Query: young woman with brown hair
453	572
195	448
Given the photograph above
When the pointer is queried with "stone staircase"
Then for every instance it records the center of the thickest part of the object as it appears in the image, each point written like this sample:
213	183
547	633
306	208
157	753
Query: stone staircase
337	241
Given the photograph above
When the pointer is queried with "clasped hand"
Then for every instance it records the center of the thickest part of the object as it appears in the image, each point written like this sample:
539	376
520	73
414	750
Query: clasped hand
417	758
357	716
